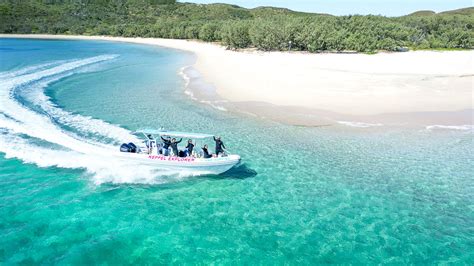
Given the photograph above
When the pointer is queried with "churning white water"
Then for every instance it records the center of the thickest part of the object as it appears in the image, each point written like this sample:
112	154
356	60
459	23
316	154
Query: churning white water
35	130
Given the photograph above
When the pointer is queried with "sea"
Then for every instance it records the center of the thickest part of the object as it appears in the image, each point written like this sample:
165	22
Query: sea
350	193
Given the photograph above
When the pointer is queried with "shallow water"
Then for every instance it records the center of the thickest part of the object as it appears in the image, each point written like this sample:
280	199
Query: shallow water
337	194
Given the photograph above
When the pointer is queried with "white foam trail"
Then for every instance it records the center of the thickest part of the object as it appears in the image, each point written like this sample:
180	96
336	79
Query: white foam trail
359	124
25	70
34	124
102	169
36	95
21	125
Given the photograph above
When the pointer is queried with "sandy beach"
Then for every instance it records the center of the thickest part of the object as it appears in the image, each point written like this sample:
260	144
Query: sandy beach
315	89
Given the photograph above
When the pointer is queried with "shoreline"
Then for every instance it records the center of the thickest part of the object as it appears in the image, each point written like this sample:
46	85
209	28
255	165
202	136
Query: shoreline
409	88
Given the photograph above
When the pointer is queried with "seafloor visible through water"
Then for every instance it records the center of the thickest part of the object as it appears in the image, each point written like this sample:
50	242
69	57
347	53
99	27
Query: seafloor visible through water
339	194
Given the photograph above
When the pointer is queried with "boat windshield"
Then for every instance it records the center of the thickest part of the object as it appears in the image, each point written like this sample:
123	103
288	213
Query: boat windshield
175	134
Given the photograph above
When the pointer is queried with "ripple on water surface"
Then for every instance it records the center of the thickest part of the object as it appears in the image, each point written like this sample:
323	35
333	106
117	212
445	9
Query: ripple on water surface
301	195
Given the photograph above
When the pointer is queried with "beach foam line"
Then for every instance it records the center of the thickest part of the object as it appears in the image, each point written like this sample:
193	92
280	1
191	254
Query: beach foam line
214	104
187	81
444	127
192	77
359	124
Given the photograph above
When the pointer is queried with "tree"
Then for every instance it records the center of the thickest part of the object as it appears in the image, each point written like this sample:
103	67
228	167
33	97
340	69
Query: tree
236	34
263	28
208	32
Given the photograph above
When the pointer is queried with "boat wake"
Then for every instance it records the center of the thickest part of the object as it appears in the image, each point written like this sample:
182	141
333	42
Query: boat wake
35	130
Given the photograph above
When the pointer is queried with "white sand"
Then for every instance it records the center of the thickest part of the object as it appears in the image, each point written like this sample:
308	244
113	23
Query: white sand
357	84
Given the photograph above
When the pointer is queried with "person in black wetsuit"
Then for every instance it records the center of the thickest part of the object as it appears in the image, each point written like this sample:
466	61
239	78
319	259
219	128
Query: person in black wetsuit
207	155
189	147
174	146
166	146
219	145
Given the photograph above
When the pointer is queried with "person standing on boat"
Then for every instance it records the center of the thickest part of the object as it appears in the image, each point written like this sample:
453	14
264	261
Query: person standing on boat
206	153
150	142
166	146
189	147
219	145
174	146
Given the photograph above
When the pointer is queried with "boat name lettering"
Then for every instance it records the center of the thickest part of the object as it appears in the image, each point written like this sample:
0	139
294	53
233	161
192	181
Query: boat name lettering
170	158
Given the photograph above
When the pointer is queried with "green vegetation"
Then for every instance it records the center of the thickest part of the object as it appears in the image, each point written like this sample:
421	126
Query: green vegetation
264	28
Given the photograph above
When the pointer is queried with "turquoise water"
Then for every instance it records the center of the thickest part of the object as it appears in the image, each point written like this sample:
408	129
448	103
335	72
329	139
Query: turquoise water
301	196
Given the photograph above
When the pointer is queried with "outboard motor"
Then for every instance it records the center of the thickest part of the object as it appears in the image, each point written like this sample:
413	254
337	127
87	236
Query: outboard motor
125	148
133	147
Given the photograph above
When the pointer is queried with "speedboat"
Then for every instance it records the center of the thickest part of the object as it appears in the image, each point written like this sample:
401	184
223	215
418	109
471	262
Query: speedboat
150	153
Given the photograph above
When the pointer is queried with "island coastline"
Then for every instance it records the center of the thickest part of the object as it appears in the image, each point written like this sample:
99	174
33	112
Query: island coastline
420	87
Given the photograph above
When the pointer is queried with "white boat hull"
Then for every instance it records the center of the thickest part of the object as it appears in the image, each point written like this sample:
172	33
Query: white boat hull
198	166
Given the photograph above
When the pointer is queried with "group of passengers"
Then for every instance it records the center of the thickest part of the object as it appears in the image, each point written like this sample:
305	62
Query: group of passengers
169	145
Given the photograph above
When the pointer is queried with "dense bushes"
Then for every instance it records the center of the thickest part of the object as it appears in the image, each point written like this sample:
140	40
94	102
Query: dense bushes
263	28
236	34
